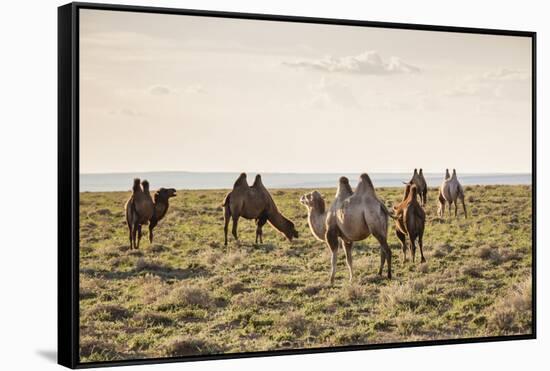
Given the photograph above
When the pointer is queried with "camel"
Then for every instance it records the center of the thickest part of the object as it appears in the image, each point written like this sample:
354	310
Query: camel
316	214
353	217
409	222
161	207
450	192
421	185
139	210
254	202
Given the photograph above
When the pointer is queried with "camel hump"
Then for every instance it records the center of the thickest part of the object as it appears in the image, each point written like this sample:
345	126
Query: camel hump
257	180
145	185
365	183
344	189
137	185
420	171
241	181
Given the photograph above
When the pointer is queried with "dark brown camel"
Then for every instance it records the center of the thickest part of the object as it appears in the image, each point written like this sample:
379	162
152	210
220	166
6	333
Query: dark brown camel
139	210
410	221
256	203
421	185
161	207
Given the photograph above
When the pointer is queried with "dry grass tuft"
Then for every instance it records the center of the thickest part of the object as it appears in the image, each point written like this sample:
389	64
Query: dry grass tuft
188	346
295	322
512	314
108	312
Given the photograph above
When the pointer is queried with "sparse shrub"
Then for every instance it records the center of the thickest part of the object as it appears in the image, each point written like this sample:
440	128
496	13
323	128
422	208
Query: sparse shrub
185	295
409	323
473	271
311	290
149	265
108	312
90	346
188	346
354	292
397	294
154	318
294	322
512	313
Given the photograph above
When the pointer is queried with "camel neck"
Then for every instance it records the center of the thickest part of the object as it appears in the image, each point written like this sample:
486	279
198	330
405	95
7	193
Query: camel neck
316	221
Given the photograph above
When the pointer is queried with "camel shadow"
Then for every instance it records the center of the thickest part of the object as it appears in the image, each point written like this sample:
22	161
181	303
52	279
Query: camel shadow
162	271
49	355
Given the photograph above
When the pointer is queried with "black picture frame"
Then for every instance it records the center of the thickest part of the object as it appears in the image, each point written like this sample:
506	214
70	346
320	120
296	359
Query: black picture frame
68	179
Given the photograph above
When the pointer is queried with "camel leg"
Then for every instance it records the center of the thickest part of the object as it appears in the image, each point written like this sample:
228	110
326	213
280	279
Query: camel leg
332	241
403	240
425	194
139	235
151	227
235	219
413	248
456	209
420	243
347	249
464	207
259	232
385	253
441	209
226	218
134	235
130	236
450	205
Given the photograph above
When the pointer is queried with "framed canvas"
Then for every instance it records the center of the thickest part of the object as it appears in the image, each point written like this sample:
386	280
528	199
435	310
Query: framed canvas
242	185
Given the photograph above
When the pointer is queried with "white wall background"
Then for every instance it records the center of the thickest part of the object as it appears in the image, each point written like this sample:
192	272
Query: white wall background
28	179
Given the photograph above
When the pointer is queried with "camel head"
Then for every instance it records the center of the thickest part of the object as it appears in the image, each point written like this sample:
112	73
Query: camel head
163	194
313	200
290	231
145	185
136	187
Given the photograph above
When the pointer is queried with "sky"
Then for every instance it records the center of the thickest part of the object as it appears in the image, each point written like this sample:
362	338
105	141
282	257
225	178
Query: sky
185	93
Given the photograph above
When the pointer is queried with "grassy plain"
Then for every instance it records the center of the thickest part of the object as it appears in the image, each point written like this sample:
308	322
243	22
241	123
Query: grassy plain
187	294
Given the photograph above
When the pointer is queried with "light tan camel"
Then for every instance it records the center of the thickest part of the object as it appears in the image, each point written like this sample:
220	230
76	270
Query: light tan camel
450	192
316	214
354	217
421	185
409	222
161	207
139	210
256	203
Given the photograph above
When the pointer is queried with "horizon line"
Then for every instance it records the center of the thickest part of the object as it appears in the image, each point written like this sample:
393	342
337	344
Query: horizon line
303	172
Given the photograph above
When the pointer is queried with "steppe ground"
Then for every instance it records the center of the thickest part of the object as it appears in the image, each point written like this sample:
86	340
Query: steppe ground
187	294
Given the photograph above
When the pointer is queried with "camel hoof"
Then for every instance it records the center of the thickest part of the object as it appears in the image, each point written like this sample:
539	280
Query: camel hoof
422	260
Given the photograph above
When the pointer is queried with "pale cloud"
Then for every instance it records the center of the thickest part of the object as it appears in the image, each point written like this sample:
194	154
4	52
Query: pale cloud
160	90
500	83
326	93
367	63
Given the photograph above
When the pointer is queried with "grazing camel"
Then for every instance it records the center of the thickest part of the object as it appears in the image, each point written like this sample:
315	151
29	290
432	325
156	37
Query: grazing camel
450	192
409	222
421	185
354	217
161	207
139	210
256	203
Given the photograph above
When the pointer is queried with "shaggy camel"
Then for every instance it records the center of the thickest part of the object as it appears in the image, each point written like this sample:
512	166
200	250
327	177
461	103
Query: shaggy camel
353	217
409	222
256	203
161	207
139	210
450	192
421	185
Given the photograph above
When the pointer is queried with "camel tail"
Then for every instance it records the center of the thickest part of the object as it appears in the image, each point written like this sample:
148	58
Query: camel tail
226	199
